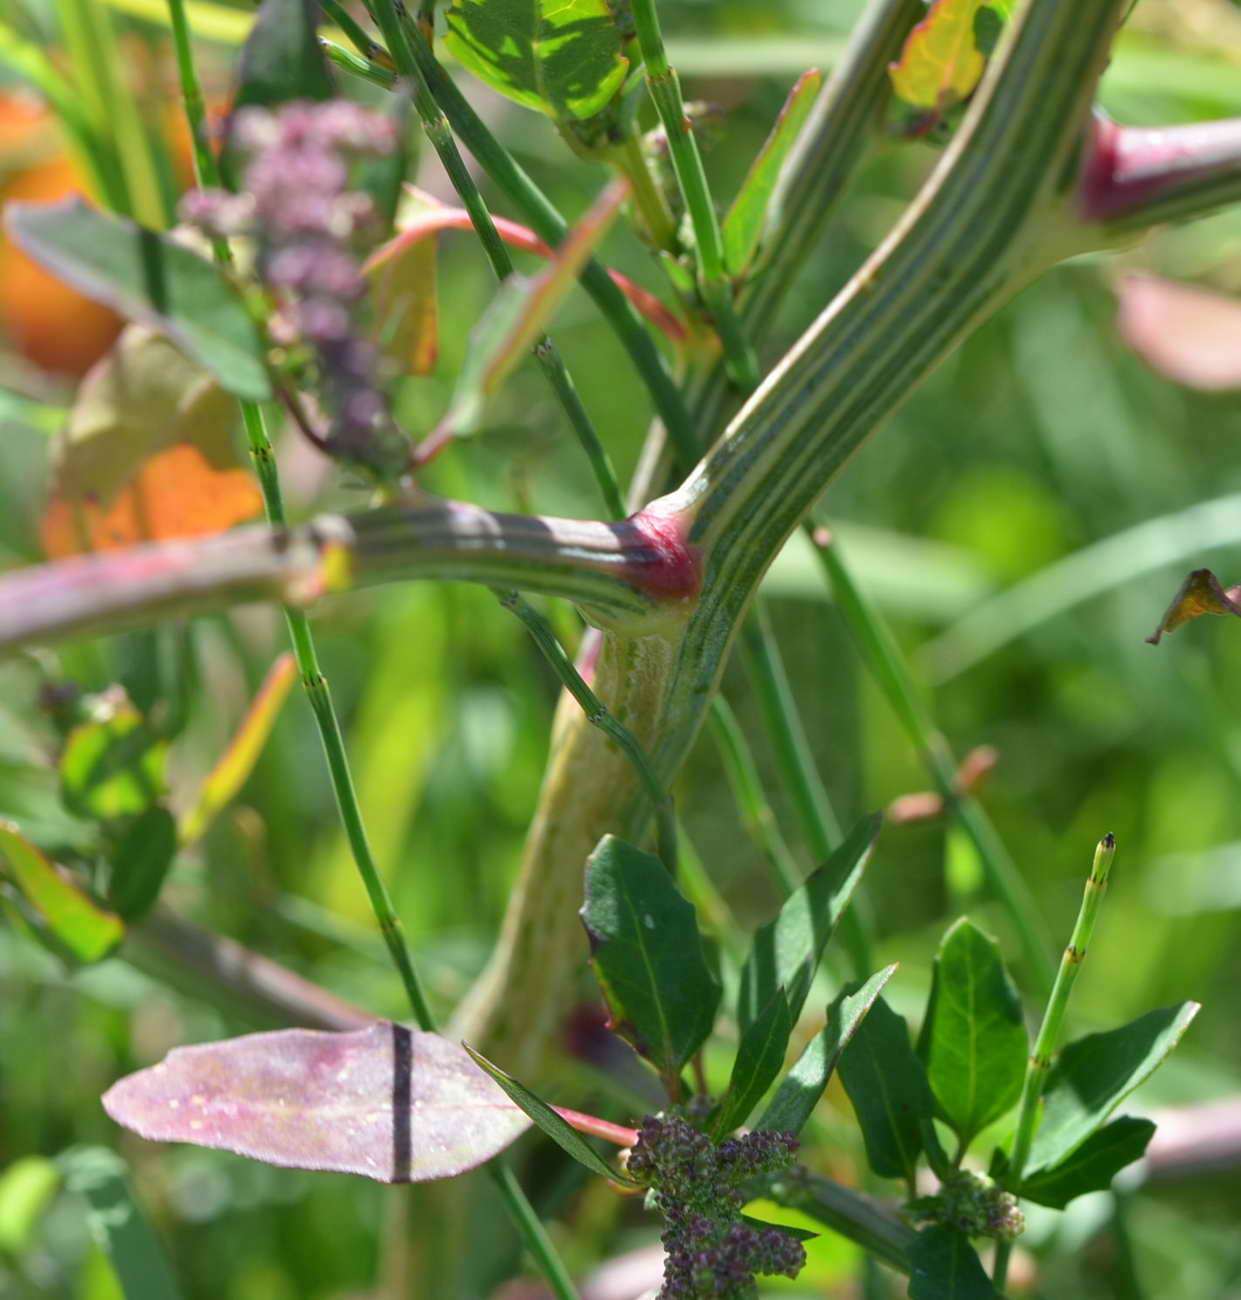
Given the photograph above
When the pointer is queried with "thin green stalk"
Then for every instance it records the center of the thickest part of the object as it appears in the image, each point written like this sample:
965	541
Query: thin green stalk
714	283
598	716
747	788
696	884
886	662
630	159
1050	1030
355	64
527	1221
353	30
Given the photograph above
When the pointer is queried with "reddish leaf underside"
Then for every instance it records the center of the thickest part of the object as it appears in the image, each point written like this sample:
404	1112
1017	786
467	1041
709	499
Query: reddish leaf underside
393	1104
1189	334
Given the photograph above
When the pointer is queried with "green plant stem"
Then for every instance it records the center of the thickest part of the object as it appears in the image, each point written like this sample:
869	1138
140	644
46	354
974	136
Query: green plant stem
546	353
714	283
598	716
357	66
630	159
538	1243
887	664
352	29
751	798
1050	1030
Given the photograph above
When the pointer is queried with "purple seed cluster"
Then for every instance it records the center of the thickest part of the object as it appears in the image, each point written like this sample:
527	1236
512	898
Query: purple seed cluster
711	1252
309	229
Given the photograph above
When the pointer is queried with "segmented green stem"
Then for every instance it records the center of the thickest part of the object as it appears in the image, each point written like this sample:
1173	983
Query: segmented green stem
375	73
1050	1030
714	283
353	30
652	208
887	664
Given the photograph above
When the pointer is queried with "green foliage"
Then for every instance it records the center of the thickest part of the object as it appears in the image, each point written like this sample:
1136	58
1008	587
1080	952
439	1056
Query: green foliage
281	59
113	767
760	1054
1091	1166
140	861
944	1266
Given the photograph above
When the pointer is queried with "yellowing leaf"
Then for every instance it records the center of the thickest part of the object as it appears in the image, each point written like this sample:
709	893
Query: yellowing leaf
1200	593
940	63
404	296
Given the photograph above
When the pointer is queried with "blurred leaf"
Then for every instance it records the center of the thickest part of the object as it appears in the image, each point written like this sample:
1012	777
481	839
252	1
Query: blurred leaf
555	1126
941	62
973	1038
520	310
141	861
118	1225
887	1085
760	1054
281	59
1093	1165
1200	593
237	762
85	930
562	57
800	1090
149	278
1188	334
944	1266
1095	1074
394	1104
786	951
113	767
404	295
647	955
798	1234
27	1188
744	225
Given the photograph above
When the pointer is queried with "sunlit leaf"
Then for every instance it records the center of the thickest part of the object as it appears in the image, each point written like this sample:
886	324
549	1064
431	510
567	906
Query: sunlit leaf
1094	1074
405	295
81	927
281	59
27	1188
647	954
1093	1165
237	762
1187	333
973	1038
747	218
886	1083
150	278
562	57
760	1054
944	1266
554	1125
800	1089
1200	593
141	861
394	1104
113	767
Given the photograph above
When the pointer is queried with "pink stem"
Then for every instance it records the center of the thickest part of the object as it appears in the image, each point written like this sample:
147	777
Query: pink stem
596	1127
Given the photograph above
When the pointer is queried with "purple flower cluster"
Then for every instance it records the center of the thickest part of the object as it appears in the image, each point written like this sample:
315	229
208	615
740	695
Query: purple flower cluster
712	1253
308	228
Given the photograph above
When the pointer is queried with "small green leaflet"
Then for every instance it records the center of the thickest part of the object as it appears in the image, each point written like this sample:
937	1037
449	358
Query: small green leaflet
760	1055
281	59
944	1266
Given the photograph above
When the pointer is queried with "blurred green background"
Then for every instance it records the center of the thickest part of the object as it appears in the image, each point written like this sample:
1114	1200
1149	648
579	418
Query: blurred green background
1022	522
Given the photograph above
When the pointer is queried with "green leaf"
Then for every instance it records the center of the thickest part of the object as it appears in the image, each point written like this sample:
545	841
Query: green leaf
141	861
786	951
113	767
887	1085
944	1266
973	1038
74	921
1096	1073
281	59
647	954
27	1188
555	1126
1093	1165
747	218
800	1090
760	1055
798	1234
118	1225
562	57
149	278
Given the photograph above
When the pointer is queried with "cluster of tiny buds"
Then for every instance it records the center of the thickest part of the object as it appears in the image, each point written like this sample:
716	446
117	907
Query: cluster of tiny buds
308	228
972	1204
711	1252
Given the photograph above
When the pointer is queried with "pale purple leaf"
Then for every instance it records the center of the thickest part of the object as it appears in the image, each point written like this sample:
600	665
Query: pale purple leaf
394	1104
1190	335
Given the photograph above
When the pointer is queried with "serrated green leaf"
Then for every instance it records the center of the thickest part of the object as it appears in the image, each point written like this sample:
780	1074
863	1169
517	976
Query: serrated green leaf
973	1037
149	278
786	951
760	1054
887	1085
743	227
281	59
647	955
141	861
562	57
1093	1165
113	767
78	925
801	1088
1095	1074
555	1126
944	1266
